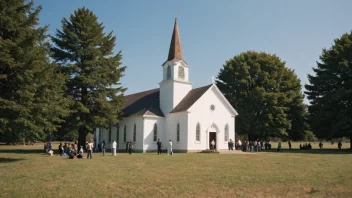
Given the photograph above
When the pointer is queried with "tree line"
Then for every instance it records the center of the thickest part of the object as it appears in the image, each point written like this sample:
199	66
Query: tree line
69	83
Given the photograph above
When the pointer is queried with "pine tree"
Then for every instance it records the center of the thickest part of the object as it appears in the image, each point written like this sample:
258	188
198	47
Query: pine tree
330	91
85	53
266	94
31	88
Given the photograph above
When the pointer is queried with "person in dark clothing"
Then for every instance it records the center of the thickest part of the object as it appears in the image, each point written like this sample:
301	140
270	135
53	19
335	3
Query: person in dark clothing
339	145
289	144
159	146
61	149
130	146
320	145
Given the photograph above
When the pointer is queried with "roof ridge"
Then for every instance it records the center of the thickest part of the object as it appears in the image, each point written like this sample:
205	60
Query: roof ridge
142	92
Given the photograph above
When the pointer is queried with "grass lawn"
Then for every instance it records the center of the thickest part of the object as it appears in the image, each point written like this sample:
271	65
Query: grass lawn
26	172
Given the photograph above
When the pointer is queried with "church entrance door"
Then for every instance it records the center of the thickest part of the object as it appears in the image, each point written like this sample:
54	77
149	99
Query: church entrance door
212	136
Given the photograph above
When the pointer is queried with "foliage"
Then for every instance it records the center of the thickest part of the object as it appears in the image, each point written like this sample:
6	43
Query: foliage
309	136
330	91
31	89
266	94
85	53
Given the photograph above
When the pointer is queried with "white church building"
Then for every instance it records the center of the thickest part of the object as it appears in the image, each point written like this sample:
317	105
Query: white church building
191	118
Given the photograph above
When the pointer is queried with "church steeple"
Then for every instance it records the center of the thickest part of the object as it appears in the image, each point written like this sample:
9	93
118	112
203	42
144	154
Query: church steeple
175	51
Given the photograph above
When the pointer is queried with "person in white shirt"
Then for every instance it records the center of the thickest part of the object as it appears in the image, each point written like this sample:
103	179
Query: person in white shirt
114	144
213	145
170	152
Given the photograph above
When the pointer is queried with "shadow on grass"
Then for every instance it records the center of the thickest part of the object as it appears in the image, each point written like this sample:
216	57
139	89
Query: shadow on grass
9	160
312	151
21	151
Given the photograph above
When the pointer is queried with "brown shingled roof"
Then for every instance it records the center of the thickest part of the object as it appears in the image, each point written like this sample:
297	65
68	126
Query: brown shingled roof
190	99
142	103
175	51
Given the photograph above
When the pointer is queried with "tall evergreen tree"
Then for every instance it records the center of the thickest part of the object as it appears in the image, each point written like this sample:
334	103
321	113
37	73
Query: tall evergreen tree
85	53
31	89
330	91
266	94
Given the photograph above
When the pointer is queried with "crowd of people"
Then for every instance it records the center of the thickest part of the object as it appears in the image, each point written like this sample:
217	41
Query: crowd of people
251	146
73	151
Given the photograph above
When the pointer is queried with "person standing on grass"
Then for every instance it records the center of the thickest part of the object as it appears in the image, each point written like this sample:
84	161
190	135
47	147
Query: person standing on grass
240	144
114	144
289	144
170	152
159	146
103	148
45	148
279	146
339	145
90	147
61	149
129	147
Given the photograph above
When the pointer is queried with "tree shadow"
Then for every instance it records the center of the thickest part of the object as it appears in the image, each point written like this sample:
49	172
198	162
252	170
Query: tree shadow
9	160
22	151
312	151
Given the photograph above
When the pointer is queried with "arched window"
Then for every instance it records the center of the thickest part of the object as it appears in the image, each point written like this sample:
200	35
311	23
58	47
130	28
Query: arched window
181	73
134	132
155	133
198	132
178	132
109	134
226	133
168	72
117	132
124	134
101	134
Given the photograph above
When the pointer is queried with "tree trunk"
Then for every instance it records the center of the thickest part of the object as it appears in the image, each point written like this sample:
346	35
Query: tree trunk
82	133
351	143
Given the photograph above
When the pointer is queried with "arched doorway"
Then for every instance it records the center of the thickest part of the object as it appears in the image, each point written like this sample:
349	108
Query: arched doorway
212	134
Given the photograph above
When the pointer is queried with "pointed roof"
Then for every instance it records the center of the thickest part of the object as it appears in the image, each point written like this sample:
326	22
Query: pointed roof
191	98
175	51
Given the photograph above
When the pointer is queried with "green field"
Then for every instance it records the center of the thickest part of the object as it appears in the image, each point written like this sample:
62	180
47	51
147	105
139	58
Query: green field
26	172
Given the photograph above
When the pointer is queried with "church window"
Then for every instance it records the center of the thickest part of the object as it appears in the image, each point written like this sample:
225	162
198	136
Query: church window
181	73
117	132
178	132
124	134
109	134
134	133
155	133
226	133
168	72
100	134
198	132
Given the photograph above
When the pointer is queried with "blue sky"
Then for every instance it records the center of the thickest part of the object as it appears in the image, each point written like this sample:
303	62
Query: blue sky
211	32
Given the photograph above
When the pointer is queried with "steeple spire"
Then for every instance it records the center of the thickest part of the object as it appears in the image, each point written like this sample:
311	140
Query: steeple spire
175	51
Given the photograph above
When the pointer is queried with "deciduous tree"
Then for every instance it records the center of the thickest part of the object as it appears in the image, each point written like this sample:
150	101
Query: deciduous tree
266	94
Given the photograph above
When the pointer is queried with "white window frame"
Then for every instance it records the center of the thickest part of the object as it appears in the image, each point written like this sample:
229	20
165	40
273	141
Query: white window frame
155	132
226	133
198	132
134	133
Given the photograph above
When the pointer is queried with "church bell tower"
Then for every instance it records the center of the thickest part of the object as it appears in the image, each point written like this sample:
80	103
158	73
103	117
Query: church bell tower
175	84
